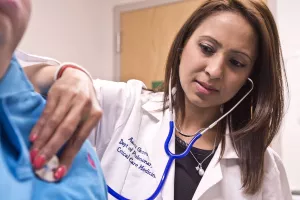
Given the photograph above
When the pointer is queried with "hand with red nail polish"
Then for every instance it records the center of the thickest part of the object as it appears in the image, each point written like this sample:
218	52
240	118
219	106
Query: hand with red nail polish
33	154
33	137
71	112
60	172
39	161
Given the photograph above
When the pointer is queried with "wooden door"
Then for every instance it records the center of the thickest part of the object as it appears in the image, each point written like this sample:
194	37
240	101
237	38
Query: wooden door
146	37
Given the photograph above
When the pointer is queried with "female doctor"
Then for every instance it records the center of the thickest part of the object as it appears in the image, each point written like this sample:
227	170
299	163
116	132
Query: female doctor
226	82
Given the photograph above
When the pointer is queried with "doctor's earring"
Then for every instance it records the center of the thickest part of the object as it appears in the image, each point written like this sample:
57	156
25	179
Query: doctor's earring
251	109
222	108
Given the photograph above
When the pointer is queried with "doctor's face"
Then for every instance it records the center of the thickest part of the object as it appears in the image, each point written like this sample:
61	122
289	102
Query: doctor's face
14	16
217	59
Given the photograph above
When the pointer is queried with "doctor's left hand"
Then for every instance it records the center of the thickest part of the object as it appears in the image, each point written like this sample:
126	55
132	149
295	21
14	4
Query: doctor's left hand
72	110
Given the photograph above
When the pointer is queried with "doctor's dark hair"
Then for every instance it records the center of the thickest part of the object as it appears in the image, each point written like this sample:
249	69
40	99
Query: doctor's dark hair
250	135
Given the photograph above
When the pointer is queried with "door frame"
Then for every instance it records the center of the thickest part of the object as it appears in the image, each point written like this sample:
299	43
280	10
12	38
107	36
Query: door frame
117	26
272	4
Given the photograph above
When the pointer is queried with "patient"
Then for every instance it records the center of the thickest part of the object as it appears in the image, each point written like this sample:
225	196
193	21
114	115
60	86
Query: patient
20	108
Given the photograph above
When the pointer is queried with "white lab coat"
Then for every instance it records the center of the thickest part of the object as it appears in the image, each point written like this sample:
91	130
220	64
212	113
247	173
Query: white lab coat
130	143
130	138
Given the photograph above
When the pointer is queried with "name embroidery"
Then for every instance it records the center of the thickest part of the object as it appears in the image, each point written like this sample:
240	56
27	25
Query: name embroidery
135	155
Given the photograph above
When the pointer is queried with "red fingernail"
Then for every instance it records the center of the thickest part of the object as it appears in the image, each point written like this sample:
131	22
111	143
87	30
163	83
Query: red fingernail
33	137
60	172
33	154
39	162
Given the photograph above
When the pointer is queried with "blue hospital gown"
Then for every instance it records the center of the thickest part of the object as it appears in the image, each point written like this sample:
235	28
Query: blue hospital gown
20	108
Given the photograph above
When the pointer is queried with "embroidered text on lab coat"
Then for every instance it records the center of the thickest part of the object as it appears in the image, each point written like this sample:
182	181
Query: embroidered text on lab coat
136	155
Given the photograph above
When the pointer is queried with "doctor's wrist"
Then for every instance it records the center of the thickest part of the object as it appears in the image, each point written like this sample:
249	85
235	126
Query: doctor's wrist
64	67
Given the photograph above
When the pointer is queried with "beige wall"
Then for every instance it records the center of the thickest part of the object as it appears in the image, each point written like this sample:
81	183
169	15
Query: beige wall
288	23
78	31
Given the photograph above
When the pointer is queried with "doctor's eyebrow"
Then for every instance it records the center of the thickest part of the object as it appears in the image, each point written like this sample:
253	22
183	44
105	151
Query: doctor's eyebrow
216	42
243	53
211	39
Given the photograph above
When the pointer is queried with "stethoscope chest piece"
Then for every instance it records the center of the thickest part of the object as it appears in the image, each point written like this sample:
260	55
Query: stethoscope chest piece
47	172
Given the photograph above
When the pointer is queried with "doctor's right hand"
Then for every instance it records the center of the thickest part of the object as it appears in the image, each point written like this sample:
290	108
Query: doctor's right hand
72	111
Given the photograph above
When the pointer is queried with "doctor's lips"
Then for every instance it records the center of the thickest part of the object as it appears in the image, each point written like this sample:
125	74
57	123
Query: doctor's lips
206	88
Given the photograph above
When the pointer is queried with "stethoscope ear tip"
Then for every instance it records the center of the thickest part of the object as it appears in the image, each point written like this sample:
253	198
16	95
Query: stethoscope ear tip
252	84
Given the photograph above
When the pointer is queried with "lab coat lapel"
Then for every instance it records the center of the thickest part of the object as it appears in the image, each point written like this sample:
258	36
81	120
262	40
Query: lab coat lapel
213	173
159	158
212	176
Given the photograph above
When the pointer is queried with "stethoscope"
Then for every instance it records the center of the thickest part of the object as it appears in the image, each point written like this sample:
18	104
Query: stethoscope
172	156
47	174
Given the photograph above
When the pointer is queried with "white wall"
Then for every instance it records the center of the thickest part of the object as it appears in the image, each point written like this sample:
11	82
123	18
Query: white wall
289	28
288	16
78	31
